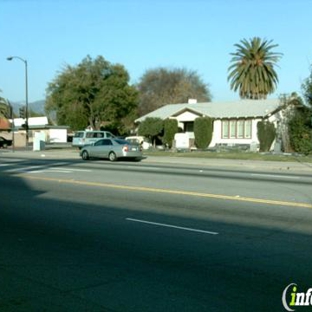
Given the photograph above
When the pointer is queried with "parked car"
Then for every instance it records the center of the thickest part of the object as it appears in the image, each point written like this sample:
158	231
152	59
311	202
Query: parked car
140	140
4	143
82	138
112	149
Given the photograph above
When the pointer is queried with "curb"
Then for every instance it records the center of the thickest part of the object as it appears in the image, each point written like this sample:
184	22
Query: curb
235	164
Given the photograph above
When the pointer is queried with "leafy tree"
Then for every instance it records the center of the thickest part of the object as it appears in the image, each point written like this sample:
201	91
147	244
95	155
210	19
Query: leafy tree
170	129
300	130
3	106
94	93
3	109
266	134
307	90
289	103
203	128
252	71
161	86
300	121
151	128
32	113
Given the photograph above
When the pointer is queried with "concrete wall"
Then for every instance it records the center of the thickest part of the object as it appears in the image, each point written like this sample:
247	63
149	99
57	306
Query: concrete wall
51	135
19	137
57	135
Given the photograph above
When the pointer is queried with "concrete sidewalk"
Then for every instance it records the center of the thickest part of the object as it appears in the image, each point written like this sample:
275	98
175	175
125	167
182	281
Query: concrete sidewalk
235	164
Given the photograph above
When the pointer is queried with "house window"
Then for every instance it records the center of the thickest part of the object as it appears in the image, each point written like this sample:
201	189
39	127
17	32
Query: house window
225	129
247	129
240	129
233	129
236	129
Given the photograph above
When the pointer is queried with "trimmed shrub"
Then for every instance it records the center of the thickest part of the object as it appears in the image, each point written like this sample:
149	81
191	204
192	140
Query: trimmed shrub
170	129
300	132
151	128
266	134
203	128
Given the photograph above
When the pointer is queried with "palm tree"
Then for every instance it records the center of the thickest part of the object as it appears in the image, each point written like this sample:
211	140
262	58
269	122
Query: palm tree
3	107
252	70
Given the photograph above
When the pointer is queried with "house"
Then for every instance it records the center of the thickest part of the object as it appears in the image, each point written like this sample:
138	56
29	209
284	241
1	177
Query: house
235	122
51	133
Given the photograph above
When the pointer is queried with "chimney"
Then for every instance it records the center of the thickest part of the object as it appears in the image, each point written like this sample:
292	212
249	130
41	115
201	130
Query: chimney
192	101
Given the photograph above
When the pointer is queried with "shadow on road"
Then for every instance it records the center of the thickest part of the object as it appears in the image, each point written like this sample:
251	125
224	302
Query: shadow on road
60	252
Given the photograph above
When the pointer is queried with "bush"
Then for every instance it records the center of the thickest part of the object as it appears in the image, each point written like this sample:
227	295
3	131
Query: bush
151	128
266	134
300	132
170	129
203	128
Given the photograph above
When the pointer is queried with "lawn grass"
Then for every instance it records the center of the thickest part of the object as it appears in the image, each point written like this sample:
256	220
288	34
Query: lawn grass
231	155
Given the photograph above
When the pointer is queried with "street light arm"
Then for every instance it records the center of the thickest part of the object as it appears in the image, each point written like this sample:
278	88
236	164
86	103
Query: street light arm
10	58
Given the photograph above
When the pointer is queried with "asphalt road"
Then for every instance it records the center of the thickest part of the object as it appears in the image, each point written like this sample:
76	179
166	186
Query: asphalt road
98	236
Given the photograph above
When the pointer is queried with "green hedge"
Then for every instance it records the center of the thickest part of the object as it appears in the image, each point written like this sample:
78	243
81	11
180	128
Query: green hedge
170	129
203	128
300	131
266	135
151	128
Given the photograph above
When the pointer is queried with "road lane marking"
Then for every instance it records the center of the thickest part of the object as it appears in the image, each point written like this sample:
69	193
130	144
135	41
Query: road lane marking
168	191
145	168
12	161
69	169
25	169
43	169
172	226
50	171
274	176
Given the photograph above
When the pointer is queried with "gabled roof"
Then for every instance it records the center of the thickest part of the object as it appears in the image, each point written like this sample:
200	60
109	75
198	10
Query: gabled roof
220	110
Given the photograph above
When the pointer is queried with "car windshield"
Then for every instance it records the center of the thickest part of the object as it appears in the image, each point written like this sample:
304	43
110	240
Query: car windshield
78	135
119	141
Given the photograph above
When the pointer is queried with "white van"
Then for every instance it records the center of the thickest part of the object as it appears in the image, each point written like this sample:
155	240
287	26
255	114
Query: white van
82	138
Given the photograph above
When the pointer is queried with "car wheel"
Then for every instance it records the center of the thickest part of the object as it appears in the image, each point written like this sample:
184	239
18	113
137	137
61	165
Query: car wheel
112	156
85	155
5	145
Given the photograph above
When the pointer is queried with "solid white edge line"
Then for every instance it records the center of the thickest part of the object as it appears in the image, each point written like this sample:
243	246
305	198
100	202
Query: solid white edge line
48	171
274	176
68	169
172	226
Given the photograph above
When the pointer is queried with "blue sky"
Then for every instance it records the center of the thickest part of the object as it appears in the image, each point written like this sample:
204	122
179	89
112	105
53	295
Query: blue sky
194	34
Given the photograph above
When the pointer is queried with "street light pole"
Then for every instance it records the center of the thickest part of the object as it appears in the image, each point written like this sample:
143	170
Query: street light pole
10	58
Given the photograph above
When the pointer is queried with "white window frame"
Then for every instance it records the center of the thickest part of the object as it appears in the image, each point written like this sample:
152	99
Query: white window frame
236	129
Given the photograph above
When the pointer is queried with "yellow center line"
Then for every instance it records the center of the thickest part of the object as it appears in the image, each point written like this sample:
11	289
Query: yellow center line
175	192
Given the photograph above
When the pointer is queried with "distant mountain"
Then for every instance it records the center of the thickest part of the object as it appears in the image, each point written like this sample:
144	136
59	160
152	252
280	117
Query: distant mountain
36	107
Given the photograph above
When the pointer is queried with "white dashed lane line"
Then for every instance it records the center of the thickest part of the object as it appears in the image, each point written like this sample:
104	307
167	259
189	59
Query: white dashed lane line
42	169
172	226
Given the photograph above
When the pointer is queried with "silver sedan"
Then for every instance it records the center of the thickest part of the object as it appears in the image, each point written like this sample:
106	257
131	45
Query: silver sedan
112	149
